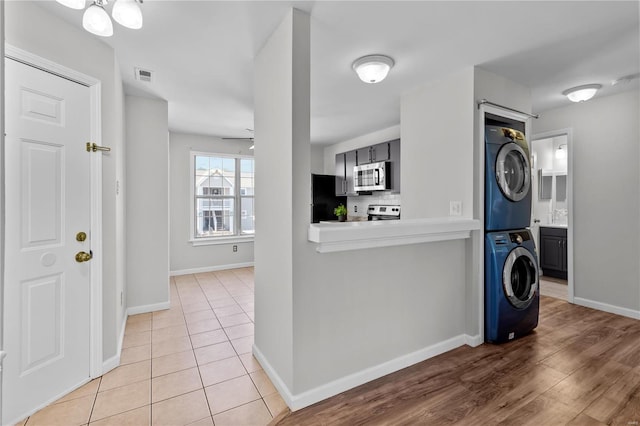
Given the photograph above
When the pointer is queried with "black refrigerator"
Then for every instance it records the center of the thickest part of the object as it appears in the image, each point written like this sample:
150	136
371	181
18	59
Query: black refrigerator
324	198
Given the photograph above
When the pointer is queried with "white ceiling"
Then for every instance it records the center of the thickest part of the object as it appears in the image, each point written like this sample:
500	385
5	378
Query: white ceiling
202	53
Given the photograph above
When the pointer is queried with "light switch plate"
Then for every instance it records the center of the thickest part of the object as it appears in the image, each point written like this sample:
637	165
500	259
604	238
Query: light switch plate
455	208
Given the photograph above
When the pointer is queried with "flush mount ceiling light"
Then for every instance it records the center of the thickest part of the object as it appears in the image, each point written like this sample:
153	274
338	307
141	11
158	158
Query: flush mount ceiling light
373	68
582	93
96	20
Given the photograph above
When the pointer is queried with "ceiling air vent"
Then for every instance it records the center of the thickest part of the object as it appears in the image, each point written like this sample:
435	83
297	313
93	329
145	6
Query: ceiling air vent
144	75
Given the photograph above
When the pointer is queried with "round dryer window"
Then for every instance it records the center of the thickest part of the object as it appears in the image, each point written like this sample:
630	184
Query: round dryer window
520	277
512	172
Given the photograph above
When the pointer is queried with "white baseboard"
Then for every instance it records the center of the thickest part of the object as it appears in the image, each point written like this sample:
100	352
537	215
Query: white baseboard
46	403
304	399
111	363
210	269
143	309
114	361
473	341
626	312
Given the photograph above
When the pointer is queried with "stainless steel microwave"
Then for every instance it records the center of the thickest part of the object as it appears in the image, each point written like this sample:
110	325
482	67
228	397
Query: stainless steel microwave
372	177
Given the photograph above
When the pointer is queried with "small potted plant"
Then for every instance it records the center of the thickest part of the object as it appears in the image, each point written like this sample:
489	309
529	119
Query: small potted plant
341	212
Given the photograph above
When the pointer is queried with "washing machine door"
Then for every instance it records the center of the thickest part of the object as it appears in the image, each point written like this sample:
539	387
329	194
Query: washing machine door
520	277
513	173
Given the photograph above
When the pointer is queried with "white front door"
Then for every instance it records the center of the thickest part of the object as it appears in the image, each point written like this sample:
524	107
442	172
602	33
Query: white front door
47	291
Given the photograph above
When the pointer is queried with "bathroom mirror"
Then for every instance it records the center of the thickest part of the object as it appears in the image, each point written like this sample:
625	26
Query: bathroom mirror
561	187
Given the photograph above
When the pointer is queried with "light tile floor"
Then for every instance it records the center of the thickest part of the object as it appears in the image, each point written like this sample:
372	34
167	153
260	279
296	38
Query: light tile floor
188	365
554	287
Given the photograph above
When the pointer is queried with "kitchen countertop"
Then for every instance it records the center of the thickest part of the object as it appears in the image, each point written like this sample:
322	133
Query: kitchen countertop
554	225
343	236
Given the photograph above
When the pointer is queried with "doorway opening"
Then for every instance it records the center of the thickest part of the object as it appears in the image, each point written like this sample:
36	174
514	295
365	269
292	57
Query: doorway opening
552	211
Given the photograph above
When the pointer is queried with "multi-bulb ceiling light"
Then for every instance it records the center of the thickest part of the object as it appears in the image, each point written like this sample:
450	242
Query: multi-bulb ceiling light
96	20
373	68
582	93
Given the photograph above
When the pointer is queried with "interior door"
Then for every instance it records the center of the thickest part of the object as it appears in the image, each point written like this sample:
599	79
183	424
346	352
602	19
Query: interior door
47	290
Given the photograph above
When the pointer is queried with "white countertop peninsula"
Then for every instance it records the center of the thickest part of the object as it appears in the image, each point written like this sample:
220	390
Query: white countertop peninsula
343	236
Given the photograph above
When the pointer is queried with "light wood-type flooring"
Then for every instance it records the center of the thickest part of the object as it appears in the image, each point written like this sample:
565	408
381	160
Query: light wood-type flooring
580	367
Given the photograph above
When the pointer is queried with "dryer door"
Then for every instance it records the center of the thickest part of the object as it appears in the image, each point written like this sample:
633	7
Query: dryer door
513	172
520	277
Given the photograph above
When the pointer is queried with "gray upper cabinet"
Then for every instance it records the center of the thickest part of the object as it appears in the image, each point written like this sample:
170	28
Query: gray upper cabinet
394	158
350	163
374	154
345	163
341	189
363	155
380	152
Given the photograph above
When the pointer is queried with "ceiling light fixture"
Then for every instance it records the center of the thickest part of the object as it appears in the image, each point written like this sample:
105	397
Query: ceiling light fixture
96	20
373	68
582	93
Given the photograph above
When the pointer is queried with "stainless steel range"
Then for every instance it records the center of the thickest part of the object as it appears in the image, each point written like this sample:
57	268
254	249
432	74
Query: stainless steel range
383	212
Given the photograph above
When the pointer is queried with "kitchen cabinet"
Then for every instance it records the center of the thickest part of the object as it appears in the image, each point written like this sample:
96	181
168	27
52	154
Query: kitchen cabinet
374	153
394	158
381	152
363	155
553	252
345	162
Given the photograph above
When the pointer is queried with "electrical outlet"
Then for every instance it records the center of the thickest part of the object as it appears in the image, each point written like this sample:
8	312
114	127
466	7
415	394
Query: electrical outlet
355	209
235	248
455	208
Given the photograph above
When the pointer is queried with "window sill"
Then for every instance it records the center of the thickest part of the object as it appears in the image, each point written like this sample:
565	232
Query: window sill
221	240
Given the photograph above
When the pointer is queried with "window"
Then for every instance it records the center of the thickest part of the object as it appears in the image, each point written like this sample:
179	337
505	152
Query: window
223	190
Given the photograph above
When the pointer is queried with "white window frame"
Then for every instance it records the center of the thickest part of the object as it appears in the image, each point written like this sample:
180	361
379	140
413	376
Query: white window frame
223	239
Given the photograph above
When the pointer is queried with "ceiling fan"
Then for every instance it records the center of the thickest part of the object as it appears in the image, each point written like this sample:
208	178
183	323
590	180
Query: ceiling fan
250	138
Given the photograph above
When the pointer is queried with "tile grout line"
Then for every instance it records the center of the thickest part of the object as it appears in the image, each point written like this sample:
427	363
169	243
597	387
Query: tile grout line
204	389
95	398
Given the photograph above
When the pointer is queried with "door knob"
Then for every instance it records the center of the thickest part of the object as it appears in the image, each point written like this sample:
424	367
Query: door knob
82	256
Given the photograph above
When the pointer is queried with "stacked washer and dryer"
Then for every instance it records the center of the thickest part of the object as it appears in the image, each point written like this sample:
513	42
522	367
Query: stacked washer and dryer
512	296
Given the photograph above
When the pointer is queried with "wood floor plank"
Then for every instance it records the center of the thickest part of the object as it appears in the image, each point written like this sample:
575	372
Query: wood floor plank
584	420
618	400
579	367
588	383
543	410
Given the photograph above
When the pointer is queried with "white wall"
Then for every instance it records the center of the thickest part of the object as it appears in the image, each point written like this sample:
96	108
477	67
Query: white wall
606	198
317	159
437	125
147	168
183	256
30	28
281	105
1	191
323	319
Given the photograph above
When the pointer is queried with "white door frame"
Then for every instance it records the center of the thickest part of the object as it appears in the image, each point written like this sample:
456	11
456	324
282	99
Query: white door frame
568	132
95	88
